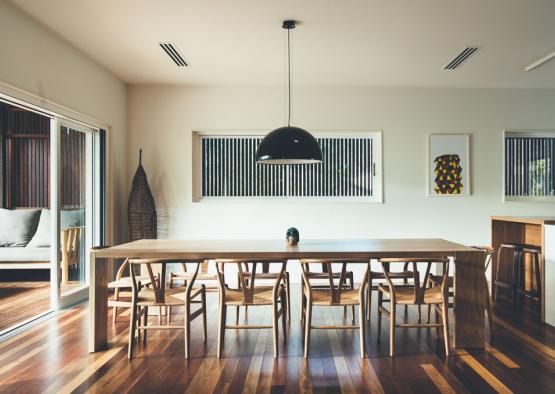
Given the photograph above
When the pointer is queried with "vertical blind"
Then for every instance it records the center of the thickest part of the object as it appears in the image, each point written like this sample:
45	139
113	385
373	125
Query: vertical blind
229	169
529	166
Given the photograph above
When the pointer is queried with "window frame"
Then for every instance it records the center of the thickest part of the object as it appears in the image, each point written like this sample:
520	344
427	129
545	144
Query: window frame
377	161
525	133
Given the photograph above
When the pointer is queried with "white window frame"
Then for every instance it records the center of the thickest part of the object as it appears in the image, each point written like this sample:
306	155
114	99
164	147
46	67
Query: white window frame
377	177
530	133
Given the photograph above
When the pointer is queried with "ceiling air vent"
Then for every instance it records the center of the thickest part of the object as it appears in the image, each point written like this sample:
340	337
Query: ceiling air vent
461	57
172	51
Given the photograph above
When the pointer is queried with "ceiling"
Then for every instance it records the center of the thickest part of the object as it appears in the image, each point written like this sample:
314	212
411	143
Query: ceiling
337	42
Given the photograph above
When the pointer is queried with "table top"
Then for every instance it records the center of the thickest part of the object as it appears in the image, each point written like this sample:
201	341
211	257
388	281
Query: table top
526	219
279	249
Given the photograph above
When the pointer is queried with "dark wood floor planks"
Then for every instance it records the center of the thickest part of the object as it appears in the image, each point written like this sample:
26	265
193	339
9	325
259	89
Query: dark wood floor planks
53	357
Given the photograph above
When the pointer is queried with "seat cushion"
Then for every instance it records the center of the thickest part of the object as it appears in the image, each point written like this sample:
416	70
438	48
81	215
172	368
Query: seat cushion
42	235
17	227
20	254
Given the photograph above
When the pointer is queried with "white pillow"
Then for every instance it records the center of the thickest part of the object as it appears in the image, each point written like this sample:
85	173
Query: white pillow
17	226
42	235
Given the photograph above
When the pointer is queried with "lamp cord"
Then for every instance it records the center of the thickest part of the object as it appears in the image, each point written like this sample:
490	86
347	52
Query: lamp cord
288	78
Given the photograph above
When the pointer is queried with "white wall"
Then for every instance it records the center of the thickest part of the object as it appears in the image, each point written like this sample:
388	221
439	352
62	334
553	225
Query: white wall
161	120
40	63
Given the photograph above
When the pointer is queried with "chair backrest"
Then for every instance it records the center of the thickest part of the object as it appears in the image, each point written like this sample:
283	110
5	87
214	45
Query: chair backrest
70	242
246	270
157	282
327	268
420	283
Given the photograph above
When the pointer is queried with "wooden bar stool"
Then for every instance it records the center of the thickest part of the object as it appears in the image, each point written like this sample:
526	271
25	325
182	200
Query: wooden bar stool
518	272
249	294
333	295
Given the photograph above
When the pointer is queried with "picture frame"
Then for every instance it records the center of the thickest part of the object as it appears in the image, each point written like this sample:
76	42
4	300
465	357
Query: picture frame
448	165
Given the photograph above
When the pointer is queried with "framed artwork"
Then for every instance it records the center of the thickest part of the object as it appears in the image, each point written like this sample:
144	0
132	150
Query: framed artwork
448	165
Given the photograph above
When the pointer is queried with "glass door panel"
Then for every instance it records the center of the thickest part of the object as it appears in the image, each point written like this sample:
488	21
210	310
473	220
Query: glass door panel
73	208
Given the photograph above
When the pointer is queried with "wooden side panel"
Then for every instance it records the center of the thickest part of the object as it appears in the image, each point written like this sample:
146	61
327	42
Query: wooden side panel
98	304
469	300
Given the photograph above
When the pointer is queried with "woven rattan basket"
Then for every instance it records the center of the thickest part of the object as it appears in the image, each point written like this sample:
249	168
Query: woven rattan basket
141	211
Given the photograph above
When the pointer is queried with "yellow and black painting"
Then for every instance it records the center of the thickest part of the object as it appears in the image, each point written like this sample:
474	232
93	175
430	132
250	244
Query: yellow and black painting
448	174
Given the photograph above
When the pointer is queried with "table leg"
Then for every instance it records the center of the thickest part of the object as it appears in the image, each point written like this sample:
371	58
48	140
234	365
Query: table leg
98	304
469	300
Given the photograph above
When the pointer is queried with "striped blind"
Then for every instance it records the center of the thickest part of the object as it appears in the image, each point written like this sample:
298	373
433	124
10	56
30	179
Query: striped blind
529	166
229	169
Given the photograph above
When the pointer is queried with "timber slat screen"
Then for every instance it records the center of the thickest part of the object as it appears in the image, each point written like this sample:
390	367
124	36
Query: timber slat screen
25	150
529	166
229	170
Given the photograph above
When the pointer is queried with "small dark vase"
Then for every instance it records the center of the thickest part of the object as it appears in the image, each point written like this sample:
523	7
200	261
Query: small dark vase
292	236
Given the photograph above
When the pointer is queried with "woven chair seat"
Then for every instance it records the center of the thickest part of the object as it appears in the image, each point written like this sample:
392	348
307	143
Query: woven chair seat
189	276
405	294
323	297
125	282
171	297
262	295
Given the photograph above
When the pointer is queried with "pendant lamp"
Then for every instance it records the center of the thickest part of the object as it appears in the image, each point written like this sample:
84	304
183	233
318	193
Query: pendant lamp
289	144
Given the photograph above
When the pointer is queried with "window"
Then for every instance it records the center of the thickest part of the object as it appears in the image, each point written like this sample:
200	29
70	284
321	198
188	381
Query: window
529	165
226	168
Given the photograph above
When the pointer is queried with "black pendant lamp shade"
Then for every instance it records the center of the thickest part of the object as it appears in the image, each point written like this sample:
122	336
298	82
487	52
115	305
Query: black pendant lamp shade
289	144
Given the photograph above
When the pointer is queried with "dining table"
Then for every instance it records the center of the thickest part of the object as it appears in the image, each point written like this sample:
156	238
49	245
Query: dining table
469	292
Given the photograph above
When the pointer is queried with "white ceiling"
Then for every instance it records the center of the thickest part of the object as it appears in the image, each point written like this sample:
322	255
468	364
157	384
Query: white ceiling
338	42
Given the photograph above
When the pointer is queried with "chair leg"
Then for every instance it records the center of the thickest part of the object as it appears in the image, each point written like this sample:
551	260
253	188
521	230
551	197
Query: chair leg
369	297
392	323
285	309
275	327
307	327
419	313
429	314
494	281
145	323
221	329
302	301
362	326
351	279
445	318
187	326
203	305
114	314
237	314
488	309
538	278
132	328
169	313
380	303
288	296
516	279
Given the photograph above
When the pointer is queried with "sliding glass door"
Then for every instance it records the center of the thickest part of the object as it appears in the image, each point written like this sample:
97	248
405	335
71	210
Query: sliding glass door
52	177
77	200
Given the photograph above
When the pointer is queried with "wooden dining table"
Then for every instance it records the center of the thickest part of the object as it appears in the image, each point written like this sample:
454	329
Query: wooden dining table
469	322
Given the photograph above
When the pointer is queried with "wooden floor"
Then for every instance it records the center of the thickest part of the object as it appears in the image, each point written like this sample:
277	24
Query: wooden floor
53	357
22	300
